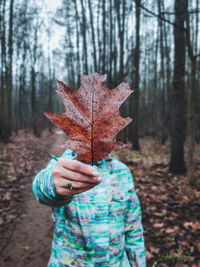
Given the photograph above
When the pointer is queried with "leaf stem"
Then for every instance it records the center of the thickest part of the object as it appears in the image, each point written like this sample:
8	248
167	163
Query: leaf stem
92	131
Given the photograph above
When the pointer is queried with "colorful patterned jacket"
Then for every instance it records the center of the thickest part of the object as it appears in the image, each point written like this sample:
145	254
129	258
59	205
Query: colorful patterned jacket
99	227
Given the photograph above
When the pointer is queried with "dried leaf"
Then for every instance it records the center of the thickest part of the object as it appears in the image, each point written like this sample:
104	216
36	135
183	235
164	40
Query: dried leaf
196	226
171	230
158	225
187	225
92	118
154	250
149	255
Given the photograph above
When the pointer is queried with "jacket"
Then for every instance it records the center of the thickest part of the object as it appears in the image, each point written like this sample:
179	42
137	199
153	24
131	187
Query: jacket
99	227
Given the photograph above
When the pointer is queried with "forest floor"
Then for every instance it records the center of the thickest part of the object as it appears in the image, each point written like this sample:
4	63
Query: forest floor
170	207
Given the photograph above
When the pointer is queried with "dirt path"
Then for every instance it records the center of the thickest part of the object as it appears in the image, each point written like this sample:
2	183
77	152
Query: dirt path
30	243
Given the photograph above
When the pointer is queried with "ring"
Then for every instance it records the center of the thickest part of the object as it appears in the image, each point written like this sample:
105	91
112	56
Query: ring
69	185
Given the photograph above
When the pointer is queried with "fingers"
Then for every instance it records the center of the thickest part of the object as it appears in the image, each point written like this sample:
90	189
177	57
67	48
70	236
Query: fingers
82	176
70	192
61	182
78	177
77	166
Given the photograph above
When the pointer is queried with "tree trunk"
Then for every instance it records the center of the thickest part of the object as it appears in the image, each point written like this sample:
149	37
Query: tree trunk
77	40
121	22
135	98
110	46
33	101
163	132
93	36
9	84
155	89
178	112
3	74
191	103
83	31
99	36
191	124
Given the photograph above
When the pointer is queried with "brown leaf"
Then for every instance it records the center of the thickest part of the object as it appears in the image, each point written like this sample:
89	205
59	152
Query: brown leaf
149	255
187	225
198	245
171	230
196	226
92	117
170	244
181	265
158	225
7	196
154	250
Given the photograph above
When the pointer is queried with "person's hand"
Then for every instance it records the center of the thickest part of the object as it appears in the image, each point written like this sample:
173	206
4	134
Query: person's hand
82	177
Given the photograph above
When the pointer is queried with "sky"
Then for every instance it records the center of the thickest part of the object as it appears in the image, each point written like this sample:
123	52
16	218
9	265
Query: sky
50	6
50	43
48	13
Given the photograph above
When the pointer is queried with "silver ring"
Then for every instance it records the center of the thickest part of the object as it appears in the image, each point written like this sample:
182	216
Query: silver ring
69	185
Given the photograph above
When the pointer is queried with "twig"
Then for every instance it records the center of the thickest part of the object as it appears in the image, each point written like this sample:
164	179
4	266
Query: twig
158	16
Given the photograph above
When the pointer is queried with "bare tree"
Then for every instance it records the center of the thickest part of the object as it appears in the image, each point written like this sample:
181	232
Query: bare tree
192	98
163	133
135	99
178	111
93	36
84	36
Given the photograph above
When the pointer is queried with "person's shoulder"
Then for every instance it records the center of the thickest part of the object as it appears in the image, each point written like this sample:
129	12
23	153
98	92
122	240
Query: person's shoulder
116	164
121	170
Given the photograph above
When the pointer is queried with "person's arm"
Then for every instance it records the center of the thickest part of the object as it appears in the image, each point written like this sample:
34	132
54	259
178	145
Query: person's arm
43	186
134	239
50	184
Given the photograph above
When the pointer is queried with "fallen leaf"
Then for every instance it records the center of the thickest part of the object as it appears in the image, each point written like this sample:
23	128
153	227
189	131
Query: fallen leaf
158	225
171	230
154	250
196	226
149	255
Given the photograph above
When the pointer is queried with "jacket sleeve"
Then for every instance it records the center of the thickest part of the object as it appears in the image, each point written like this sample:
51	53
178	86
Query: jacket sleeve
134	239
43	187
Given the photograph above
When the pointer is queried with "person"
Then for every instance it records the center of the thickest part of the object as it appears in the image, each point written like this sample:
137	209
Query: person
96	212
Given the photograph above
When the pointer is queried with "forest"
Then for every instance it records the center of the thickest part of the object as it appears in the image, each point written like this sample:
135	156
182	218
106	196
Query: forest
154	46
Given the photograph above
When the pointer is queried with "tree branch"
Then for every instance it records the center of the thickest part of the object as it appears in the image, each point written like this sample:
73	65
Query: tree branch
181	13
160	16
